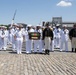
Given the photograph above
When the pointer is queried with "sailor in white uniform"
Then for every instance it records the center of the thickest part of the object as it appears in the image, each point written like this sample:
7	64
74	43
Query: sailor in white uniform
38	43
5	38
0	38
64	38
57	35
13	31
29	42
19	39
43	46
53	43
10	35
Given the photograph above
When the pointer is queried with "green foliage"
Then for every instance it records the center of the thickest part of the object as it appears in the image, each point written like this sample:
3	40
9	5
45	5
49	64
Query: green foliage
4	25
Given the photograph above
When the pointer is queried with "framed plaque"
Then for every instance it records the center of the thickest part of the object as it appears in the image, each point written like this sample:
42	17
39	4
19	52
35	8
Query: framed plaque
34	35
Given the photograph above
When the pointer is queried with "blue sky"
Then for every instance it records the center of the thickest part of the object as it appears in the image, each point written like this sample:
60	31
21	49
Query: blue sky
35	11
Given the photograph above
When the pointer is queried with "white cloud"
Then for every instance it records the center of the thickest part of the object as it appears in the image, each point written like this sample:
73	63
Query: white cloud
64	3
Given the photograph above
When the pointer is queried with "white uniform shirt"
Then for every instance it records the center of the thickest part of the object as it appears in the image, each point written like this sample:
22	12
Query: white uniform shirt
64	34
12	32
31	30
26	35
57	33
0	33
6	33
19	34
54	34
40	31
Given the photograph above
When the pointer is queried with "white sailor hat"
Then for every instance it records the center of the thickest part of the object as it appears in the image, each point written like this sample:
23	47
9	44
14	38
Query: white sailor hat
21	26
64	25
29	25
15	24
53	26
58	25
39	25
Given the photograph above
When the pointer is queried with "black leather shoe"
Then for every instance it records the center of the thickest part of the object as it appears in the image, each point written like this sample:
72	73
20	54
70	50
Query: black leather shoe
48	52
45	51
72	49
75	50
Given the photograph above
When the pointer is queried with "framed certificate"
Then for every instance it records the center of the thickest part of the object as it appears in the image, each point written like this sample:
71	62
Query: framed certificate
34	35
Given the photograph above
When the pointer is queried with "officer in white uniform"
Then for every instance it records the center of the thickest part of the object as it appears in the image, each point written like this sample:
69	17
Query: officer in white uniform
38	43
64	38
19	39
29	42
57	36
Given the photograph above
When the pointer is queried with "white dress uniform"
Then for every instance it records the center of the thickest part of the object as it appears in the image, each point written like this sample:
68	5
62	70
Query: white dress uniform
53	42
19	41
13	31
0	39
9	37
38	43
5	39
64	39
43	46
29	43
57	35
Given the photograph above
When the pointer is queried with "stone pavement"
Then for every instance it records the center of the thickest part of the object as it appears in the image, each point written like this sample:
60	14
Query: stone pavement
57	63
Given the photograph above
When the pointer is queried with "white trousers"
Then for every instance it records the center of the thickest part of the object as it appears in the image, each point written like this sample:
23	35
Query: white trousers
5	43
43	45
52	46
13	43
54	42
65	43
28	46
38	46
10	38
19	45
57	42
47	43
0	43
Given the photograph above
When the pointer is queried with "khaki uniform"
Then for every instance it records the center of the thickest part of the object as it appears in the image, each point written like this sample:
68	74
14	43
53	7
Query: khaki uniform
47	36
72	35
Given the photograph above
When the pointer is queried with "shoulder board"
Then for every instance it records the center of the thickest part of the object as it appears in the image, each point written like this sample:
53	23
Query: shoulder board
51	29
